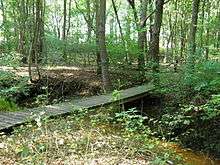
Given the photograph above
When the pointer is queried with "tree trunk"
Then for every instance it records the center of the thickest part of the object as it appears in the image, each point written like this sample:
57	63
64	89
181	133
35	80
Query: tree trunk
64	29
120	30
192	35
154	47
207	32
89	20
202	24
4	21
150	28
182	38
69	18
154	43
218	27
142	40
102	47
141	32
98	58
22	28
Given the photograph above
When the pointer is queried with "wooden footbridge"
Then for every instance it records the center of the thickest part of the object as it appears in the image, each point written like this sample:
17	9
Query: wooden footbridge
11	119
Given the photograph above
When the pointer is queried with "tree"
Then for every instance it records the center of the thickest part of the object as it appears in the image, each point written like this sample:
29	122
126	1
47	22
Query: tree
155	35
140	27
192	35
207	31
4	20
64	28
97	18
102	46
36	45
120	29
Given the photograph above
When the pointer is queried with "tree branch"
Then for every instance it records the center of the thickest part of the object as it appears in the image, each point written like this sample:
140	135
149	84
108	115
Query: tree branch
143	22
84	16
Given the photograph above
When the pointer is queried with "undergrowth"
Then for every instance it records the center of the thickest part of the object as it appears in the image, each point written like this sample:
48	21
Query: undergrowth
6	105
191	108
12	86
101	136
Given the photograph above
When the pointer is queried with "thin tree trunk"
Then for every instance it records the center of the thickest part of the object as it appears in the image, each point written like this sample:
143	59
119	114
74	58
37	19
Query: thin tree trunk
142	40
207	32
21	47
89	20
98	58
37	36
69	17
4	19
141	32
218	27
192	35
64	28
150	28
102	46
202	24
120	30
182	38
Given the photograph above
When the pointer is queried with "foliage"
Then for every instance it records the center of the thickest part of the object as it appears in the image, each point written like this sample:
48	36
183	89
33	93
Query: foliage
42	99
79	138
6	105
116	95
12	85
204	79
73	41
192	125
132	121
11	59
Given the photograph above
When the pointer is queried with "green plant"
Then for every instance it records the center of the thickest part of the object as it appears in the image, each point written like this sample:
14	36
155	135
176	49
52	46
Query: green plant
116	95
196	126
42	99
23	151
204	79
6	105
12	85
12	59
131	120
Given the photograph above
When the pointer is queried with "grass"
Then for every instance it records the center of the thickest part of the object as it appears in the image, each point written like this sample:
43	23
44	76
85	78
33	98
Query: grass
85	137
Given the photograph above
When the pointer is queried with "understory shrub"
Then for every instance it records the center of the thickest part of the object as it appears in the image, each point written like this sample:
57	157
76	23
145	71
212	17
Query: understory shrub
132	121
196	127
203	80
6	105
12	86
12	59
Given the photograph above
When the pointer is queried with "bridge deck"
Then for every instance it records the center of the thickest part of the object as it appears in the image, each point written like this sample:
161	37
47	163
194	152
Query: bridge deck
10	119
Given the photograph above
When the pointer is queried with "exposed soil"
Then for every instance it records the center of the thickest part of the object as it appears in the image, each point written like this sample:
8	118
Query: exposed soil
65	83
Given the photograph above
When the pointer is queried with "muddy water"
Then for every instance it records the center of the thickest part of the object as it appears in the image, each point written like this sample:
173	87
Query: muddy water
190	157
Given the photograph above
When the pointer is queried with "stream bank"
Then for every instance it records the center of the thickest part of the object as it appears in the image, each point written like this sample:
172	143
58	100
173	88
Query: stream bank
153	107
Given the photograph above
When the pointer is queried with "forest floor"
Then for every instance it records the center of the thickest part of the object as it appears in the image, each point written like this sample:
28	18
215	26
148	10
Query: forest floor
64	83
91	137
44	142
82	139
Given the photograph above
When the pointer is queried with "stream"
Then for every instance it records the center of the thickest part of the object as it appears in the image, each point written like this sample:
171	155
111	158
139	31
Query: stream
191	157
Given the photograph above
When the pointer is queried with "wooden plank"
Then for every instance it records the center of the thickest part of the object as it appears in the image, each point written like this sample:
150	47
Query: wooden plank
4	125
16	115
9	119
